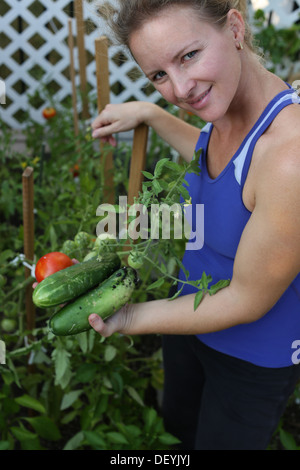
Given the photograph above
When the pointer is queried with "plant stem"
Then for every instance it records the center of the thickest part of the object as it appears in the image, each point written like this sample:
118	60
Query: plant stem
21	286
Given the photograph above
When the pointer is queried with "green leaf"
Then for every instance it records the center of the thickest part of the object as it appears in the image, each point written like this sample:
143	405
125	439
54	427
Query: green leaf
157	188
184	193
205	280
163	268
148	175
83	341
45	427
173	166
109	353
5	255
287	440
62	366
94	439
198	298
156	284
32	403
101	406
177	293
86	373
4	445
116	381
22	434
159	167
91	339
74	442
135	395
218	286
13	370
150	416
132	431
168	439
69	398
116	438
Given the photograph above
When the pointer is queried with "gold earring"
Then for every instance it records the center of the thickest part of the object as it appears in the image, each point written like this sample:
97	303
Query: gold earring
241	47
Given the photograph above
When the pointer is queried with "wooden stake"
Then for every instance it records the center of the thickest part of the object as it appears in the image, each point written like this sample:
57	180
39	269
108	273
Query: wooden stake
138	161
82	57
28	224
182	114
72	76
103	98
102	71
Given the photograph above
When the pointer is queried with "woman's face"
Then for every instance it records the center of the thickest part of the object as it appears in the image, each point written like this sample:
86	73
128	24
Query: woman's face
193	64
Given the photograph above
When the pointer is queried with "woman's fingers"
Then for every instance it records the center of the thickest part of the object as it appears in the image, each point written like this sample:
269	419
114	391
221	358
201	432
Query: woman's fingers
119	322
104	329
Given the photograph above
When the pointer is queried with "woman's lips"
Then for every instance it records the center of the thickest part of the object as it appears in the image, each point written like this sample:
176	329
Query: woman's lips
200	101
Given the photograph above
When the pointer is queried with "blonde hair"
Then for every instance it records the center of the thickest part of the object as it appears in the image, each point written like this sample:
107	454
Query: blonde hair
132	14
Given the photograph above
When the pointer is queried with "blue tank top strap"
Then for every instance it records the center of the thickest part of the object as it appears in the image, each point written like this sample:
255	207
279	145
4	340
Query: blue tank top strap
243	160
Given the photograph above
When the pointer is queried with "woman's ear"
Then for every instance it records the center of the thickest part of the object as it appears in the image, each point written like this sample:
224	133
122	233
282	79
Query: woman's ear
236	25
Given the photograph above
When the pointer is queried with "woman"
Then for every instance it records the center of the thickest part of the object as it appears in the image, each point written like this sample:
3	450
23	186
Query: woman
228	365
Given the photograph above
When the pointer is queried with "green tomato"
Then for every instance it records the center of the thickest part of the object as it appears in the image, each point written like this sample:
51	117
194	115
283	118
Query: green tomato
82	240
135	260
69	248
11	309
8	325
105	243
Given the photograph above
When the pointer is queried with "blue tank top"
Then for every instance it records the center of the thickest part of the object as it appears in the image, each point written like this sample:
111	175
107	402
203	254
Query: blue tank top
268	341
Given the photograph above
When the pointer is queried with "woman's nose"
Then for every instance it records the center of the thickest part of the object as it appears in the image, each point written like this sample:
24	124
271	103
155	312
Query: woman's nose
183	86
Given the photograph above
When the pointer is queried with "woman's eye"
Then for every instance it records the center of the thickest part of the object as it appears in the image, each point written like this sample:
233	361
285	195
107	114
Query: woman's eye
190	55
159	75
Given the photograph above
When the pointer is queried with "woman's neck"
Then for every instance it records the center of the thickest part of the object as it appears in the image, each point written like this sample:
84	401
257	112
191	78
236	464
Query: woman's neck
256	89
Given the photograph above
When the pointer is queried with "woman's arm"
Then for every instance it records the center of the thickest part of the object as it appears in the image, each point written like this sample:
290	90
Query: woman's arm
117	118
267	261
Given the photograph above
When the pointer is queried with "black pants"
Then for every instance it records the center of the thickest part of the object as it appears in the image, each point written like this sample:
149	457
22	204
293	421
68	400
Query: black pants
216	402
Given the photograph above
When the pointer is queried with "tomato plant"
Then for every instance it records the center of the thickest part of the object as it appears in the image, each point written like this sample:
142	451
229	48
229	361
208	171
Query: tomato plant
50	263
49	112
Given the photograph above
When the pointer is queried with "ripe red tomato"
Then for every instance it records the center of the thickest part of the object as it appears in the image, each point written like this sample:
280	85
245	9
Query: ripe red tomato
49	112
75	170
50	263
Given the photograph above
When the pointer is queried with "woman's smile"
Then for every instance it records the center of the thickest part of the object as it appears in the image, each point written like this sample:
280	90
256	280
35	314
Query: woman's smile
198	103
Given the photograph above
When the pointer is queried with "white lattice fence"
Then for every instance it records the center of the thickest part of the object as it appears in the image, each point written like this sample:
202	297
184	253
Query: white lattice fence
34	47
34	43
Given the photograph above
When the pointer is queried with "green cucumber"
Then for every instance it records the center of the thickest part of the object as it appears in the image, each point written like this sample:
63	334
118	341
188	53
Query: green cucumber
104	300
71	282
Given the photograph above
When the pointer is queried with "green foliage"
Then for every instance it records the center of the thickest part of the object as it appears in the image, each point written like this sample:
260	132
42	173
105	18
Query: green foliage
280	46
83	393
76	392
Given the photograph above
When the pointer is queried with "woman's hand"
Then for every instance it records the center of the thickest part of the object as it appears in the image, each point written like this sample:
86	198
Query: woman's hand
117	118
119	322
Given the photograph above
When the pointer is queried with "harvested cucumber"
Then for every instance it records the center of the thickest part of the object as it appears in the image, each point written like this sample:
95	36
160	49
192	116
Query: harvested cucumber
104	300
71	282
